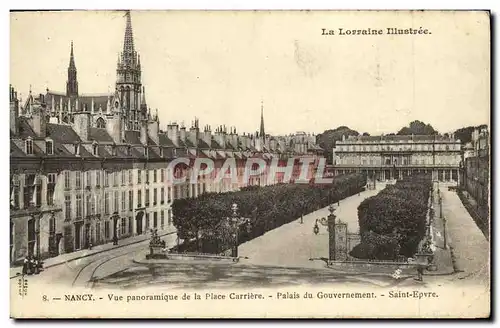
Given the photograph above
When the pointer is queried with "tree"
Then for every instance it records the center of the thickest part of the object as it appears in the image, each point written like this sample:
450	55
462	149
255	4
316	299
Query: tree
399	210
418	128
204	219
366	134
328	138
465	134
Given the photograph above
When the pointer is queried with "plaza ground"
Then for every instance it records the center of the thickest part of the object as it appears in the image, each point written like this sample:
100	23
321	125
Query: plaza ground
279	257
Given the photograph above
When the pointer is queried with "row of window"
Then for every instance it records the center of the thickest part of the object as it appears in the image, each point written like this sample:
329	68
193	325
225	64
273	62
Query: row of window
112	202
423	147
124	201
32	189
29	149
93	178
398	161
49	149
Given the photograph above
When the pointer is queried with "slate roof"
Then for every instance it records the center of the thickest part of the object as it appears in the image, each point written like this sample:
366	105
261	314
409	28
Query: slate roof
62	133
100	135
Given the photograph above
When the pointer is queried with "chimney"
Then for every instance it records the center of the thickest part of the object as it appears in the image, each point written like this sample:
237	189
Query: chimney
81	125
144	132
38	122
233	138
194	135
207	135
173	133
182	133
220	136
14	110
153	130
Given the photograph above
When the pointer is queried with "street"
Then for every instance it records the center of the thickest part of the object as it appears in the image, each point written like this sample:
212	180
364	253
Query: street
470	247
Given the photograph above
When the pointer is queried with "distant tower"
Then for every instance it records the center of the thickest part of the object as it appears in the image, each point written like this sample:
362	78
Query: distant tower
72	83
128	78
262	132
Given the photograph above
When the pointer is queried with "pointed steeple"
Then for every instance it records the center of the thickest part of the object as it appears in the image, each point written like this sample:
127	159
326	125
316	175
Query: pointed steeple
262	132
72	58
128	41
72	82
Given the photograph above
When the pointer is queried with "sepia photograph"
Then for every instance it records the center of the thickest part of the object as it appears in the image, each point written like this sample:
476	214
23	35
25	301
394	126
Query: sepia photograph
249	164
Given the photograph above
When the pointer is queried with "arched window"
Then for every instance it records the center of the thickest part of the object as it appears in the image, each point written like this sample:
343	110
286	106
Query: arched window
127	99
100	123
122	95
29	146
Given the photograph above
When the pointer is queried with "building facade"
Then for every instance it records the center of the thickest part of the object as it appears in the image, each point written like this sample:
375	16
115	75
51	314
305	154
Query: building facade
393	157
476	171
87	170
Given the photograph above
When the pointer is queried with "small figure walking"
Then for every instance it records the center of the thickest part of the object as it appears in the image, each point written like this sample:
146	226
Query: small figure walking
420	273
115	240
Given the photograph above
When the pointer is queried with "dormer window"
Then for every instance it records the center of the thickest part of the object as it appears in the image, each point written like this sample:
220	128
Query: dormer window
77	149
113	150
146	151
29	146
49	147
175	152
129	151
161	152
95	149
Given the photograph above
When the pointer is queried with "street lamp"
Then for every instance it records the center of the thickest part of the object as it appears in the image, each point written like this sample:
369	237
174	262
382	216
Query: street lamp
115	227
236	222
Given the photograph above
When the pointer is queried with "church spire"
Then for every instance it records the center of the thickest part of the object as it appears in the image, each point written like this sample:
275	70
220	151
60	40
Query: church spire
72	58
262	132
128	41
72	82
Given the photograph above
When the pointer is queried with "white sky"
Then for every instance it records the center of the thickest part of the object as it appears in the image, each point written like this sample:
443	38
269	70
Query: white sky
218	66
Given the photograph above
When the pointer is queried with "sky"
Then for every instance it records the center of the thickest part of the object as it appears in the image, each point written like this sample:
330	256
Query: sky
220	66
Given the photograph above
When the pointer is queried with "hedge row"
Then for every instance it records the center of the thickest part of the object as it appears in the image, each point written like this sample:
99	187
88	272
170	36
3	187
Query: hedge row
204	218
393	222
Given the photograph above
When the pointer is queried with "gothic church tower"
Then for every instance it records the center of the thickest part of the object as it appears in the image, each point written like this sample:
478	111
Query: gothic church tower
128	80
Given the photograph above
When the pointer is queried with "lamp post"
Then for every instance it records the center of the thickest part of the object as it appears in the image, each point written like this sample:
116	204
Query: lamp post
440	207
331	232
115	227
235	223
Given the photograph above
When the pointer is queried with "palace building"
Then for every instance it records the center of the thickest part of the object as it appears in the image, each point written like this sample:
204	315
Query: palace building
392	157
90	169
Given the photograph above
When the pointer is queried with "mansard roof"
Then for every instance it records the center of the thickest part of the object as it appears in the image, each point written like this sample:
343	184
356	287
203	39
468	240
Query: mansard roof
25	129
16	151
165	141
133	137
62	133
100	135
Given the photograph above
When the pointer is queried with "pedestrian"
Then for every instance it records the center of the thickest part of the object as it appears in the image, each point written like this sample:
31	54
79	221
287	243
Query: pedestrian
420	273
25	265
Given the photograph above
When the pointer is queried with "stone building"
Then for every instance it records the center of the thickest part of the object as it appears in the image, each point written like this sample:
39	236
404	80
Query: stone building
395	156
476	171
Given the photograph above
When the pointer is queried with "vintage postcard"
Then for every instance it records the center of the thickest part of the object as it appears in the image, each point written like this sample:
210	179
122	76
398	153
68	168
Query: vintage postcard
250	164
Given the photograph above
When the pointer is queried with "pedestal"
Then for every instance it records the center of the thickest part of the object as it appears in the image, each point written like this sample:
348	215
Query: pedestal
156	252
